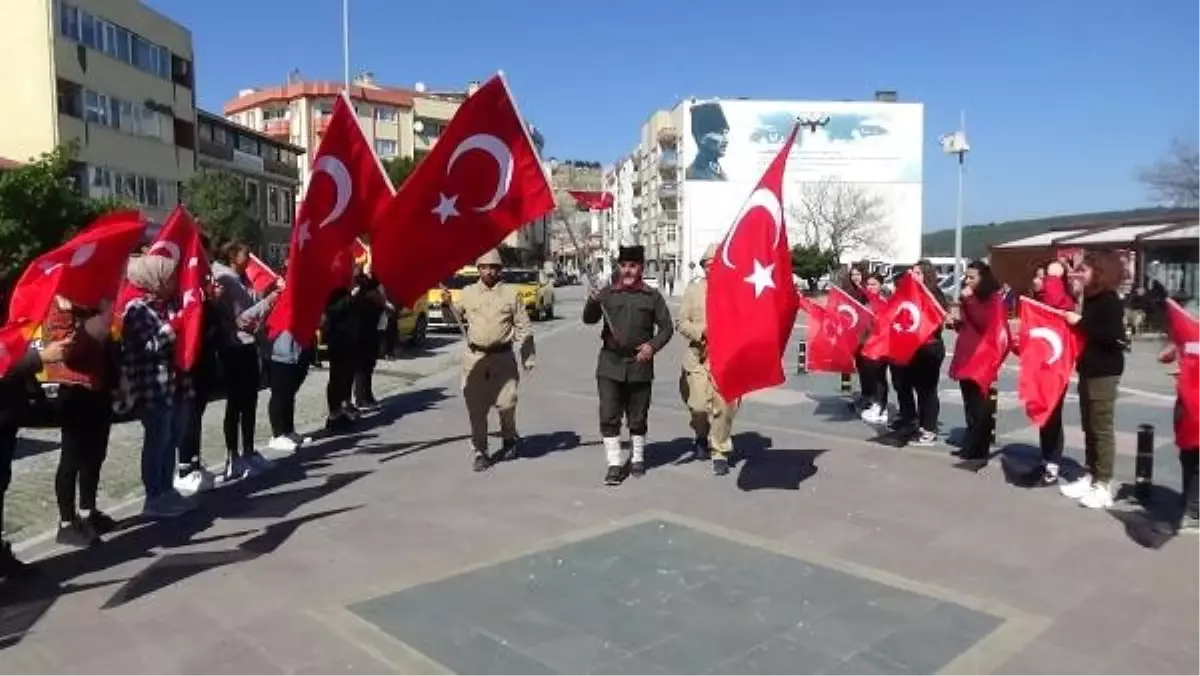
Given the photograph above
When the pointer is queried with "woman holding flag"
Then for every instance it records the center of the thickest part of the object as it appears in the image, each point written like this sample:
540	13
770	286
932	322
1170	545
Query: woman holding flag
919	378
979	350
1050	288
872	373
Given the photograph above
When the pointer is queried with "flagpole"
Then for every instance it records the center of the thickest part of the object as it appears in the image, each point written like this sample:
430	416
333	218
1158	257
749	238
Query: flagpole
958	227
346	44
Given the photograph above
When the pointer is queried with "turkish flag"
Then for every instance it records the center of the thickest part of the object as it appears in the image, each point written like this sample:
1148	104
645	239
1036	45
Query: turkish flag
1049	348
592	200
179	239
14	340
482	181
825	349
347	191
86	270
261	276
1184	331
752	301
983	365
910	318
852	317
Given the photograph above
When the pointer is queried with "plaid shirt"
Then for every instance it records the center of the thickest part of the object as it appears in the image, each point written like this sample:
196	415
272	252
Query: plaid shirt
148	356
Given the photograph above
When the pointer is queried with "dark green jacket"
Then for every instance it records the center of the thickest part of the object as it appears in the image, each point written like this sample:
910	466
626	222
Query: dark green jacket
639	315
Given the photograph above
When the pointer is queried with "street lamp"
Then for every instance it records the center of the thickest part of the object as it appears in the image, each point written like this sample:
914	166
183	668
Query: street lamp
955	143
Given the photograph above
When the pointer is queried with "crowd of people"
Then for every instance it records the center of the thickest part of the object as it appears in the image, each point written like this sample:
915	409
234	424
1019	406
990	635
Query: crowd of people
110	360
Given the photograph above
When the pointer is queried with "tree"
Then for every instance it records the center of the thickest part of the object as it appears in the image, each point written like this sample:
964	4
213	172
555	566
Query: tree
810	262
1175	179
217	199
399	169
40	207
840	218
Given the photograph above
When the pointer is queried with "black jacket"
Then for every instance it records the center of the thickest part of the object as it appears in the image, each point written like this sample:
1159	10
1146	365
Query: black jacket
1103	328
17	386
640	315
342	322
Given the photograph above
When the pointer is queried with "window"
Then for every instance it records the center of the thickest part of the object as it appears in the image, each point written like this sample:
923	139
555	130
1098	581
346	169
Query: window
247	144
113	40
68	21
385	147
386	114
287	205
95	107
272	204
124	50
206	131
88	33
252	197
220	135
70	98
275	114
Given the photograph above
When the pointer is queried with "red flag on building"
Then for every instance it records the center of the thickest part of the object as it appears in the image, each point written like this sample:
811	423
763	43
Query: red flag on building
261	276
86	270
983	365
752	300
482	181
1184	331
910	318
1049	348
347	191
592	200
825	349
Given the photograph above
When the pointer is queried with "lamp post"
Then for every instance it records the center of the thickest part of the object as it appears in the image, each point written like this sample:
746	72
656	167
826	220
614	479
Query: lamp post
955	143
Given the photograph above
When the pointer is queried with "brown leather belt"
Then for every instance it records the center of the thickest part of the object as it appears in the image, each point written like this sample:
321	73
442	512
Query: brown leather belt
499	348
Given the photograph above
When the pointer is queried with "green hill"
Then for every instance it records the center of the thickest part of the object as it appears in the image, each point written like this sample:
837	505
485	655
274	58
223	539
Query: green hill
978	238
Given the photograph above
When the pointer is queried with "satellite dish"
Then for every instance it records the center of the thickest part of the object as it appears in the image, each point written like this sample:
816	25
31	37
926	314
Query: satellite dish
418	126
420	87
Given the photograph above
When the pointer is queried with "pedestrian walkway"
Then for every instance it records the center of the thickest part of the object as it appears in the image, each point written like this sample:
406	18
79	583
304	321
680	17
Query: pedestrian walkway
821	552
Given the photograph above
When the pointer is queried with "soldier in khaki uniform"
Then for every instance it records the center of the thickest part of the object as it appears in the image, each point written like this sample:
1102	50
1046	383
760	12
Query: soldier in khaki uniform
711	415
496	321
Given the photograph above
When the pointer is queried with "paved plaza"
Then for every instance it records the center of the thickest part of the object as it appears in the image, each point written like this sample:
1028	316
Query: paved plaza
380	551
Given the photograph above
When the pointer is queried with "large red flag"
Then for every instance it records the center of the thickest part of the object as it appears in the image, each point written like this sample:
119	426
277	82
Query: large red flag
983	365
752	301
14	340
179	239
910	318
825	350
482	181
261	276
852	317
1049	348
346	192
1184	331
86	270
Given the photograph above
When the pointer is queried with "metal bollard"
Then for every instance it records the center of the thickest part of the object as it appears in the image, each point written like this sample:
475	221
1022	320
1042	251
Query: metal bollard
1143	466
993	407
802	358
844	387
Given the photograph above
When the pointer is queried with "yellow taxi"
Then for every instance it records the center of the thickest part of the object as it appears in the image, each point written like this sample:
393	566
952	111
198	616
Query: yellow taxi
439	320
535	289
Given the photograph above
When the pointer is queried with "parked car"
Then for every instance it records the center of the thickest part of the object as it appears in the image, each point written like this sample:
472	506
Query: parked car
438	320
534	289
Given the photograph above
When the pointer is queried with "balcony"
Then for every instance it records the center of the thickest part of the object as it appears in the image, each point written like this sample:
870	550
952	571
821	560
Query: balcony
280	129
668	191
668	137
668	162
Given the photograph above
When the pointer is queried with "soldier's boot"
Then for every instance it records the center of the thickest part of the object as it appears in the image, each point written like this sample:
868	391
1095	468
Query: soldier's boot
637	465
720	466
616	464
509	450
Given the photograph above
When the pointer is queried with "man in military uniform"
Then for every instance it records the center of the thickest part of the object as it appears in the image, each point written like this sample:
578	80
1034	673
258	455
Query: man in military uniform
496	321
711	415
637	324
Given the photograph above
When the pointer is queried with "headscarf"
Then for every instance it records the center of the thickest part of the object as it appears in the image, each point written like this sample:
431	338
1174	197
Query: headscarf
151	274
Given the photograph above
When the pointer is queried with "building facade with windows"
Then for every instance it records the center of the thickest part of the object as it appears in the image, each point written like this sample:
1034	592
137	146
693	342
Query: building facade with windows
398	122
269	168
114	76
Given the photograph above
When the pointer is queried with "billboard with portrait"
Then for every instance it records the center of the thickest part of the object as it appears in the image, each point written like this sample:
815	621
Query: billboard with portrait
868	148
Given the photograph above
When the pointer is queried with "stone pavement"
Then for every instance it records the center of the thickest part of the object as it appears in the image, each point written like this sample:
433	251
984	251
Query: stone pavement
380	551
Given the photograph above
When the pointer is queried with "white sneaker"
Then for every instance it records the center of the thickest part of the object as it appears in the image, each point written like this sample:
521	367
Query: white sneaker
1076	489
196	481
871	413
1099	497
283	444
924	438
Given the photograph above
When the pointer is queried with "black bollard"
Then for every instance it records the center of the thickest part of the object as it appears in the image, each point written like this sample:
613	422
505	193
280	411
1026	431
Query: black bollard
802	358
993	408
1143	465
844	387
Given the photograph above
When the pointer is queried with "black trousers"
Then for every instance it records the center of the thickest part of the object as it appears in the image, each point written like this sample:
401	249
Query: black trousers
872	375
905	395
242	379
978	440
189	447
1189	462
1050	436
87	417
623	400
341	379
364	371
391	335
286	380
8	450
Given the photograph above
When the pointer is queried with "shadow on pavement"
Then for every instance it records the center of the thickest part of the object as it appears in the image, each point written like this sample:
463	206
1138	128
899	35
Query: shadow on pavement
1150	519
764	467
662	453
429	347
835	407
24	601
1022	466
28	448
543	444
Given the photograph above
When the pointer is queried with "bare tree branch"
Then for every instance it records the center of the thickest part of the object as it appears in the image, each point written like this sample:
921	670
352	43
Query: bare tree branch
840	217
1175	179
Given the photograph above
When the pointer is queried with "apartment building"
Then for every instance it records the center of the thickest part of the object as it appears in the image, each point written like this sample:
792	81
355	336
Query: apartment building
112	75
398	122
270	169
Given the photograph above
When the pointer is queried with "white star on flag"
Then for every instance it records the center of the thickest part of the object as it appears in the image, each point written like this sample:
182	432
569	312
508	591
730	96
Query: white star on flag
446	207
762	278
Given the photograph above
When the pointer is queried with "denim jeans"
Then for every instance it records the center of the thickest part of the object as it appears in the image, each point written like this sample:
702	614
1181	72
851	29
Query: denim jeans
163	429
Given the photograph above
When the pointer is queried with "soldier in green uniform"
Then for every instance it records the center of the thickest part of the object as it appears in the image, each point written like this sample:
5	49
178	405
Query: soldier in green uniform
637	324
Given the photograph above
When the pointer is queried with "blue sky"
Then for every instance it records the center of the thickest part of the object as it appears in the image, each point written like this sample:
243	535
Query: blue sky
1064	98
